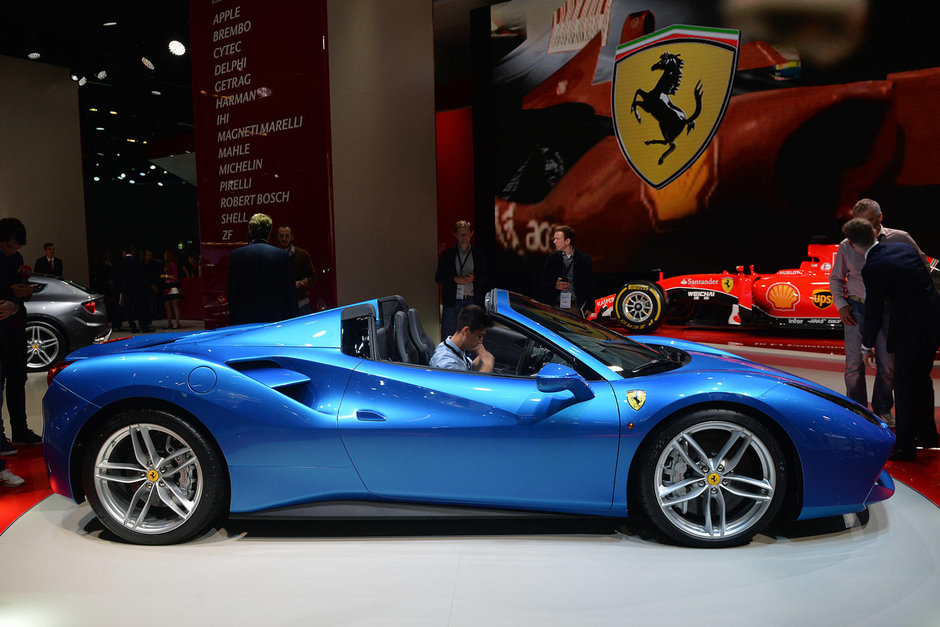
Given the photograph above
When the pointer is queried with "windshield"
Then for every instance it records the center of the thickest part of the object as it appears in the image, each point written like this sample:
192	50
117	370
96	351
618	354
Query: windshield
620	354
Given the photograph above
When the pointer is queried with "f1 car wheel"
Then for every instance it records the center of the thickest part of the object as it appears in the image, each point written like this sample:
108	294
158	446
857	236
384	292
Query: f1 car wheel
639	306
153	479
45	345
713	478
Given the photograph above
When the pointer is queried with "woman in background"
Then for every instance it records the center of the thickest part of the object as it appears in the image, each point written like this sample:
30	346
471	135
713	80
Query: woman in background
171	290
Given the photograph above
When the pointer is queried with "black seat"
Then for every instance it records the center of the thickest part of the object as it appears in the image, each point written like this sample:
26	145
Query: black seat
381	344
423	343
404	346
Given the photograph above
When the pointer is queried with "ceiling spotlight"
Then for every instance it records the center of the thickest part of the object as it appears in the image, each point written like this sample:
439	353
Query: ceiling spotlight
146	63
102	75
122	176
74	77
110	24
34	55
99	128
153	167
96	179
159	183
131	181
113	112
82	81
155	92
177	48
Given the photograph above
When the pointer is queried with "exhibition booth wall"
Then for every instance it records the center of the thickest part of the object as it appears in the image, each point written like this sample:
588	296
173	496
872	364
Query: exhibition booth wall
41	161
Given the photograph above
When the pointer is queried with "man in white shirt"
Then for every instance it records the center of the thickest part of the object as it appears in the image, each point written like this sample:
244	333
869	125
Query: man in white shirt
454	352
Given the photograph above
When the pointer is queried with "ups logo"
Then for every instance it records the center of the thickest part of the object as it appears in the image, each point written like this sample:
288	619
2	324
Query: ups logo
822	298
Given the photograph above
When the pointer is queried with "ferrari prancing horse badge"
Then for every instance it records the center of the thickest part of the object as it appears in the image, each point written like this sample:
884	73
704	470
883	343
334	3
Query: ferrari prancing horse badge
636	398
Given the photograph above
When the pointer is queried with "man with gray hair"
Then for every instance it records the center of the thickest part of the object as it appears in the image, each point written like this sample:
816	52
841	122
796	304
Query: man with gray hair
260	278
848	296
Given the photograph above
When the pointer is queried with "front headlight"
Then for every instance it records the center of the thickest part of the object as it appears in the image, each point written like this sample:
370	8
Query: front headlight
844	403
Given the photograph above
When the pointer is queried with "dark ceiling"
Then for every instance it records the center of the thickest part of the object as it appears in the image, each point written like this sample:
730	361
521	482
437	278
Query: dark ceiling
148	103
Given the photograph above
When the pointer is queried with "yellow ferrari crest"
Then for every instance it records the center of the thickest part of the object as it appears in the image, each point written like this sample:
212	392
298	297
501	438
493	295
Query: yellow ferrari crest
636	398
670	91
727	283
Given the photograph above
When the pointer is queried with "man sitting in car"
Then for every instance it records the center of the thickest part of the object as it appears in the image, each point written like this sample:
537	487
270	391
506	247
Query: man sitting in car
453	352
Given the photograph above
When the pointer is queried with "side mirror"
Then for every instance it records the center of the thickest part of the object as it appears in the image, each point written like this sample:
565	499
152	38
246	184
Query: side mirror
739	269
557	378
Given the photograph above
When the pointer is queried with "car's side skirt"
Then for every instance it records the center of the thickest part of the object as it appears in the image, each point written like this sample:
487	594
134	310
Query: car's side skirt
382	509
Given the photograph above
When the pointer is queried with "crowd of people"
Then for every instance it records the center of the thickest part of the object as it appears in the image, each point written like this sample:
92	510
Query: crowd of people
140	288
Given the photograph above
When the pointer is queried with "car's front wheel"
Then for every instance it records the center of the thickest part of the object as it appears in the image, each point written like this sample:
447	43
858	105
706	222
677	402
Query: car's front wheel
152	479
713	478
45	345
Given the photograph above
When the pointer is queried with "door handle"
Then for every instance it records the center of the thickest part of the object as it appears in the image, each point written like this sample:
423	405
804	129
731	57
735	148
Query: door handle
369	415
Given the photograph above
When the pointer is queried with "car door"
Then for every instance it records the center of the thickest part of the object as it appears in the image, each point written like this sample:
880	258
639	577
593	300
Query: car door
416	433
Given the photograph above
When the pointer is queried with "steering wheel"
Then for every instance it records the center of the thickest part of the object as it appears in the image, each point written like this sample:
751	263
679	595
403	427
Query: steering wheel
533	358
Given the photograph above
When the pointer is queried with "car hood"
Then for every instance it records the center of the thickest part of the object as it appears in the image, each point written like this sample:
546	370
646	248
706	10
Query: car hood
707	359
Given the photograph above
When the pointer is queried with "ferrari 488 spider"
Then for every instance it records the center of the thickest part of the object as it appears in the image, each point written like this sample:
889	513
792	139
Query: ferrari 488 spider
337	414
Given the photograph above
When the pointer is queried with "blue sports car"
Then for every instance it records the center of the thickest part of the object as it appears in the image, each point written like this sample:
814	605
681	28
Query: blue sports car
336	414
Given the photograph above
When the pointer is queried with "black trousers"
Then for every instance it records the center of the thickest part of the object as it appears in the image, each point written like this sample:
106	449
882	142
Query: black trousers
913	394
13	354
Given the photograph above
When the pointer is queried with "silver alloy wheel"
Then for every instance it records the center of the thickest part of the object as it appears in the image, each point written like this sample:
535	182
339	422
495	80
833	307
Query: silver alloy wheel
42	346
148	478
638	307
715	480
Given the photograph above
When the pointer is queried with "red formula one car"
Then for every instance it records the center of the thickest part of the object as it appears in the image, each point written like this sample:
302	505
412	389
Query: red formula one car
797	298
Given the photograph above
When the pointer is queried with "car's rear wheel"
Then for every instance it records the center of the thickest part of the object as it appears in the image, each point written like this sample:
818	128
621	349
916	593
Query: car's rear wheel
639	306
45	345
153	479
713	478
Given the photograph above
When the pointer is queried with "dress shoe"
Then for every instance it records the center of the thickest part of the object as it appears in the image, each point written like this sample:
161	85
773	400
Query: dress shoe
933	442
903	455
25	438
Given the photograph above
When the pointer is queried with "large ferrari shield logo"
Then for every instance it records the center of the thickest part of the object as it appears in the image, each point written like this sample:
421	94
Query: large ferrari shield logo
670	92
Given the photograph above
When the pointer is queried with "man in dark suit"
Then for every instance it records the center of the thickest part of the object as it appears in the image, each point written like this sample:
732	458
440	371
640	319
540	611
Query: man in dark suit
132	287
260	278
48	263
462	274
568	275
895	277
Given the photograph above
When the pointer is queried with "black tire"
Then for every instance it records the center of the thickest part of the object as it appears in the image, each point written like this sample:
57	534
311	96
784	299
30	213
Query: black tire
639	306
154	503
45	345
715	506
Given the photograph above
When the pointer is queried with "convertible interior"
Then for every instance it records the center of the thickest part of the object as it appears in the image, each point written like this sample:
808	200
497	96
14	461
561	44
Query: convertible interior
398	335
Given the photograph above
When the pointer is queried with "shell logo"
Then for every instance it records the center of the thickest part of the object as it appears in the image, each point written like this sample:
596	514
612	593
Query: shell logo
783	296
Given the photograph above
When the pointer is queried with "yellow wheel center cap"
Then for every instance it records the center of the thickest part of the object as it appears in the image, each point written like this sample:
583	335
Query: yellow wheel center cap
153	475
714	479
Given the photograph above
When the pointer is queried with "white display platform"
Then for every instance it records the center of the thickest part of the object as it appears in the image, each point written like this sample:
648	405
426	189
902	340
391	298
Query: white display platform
58	569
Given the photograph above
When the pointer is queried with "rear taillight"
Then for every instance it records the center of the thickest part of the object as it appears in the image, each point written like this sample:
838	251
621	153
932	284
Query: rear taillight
56	369
89	306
